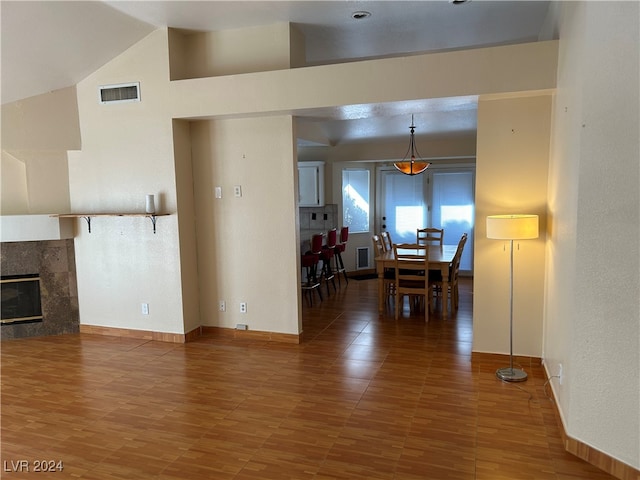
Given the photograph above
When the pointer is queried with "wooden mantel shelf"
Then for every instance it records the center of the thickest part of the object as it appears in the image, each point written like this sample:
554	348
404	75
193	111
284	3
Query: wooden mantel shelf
88	216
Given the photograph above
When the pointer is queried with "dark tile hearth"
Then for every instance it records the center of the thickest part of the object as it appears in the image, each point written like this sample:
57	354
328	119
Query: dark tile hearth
54	260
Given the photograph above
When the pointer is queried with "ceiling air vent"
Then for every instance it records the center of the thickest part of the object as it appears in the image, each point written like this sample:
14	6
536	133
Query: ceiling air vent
123	92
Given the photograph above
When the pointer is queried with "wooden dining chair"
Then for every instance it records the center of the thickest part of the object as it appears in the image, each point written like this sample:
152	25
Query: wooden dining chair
378	247
454	273
430	236
386	241
412	278
389	274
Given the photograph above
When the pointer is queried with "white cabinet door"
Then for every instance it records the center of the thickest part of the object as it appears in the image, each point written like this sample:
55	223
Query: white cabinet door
311	184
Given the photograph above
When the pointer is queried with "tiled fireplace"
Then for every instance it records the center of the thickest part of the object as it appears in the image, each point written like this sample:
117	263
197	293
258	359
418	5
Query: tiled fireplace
54	262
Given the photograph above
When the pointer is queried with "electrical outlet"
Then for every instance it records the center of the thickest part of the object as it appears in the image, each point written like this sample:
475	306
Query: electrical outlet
218	191
145	309
560	373
237	190
222	306
243	307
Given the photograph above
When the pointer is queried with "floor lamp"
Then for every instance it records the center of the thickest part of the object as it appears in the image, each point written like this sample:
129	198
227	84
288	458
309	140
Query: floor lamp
511	227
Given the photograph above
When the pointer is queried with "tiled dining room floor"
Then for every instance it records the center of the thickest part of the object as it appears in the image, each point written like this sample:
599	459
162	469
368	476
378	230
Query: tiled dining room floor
364	397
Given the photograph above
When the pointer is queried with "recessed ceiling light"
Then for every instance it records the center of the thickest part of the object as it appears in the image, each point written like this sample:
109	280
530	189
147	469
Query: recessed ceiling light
360	15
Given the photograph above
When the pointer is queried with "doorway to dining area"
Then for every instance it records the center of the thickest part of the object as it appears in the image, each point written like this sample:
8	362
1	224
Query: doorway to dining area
440	198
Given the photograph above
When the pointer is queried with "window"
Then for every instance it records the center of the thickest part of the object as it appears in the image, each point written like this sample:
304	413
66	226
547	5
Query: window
355	200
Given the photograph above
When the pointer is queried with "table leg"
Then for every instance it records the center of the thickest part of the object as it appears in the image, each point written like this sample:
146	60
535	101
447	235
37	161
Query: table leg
445	290
381	295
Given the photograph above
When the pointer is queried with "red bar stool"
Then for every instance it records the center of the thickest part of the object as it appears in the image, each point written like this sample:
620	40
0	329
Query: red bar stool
332	238
309	262
339	248
325	255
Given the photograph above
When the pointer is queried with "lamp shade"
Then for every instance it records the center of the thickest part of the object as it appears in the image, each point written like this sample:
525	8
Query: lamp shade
412	167
512	227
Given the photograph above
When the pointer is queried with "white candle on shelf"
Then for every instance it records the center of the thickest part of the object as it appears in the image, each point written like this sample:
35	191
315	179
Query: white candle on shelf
150	207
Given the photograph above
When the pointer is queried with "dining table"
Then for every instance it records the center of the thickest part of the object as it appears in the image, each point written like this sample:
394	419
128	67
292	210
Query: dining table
440	259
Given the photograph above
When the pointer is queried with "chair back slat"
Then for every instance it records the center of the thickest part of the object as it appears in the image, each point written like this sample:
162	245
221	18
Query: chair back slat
387	244
412	273
430	236
378	248
409	253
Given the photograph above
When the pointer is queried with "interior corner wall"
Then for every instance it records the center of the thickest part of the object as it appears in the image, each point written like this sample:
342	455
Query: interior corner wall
35	182
186	224
592	325
297	47
237	51
14	199
511	177
177	50
48	182
44	122
37	132
248	246
564	163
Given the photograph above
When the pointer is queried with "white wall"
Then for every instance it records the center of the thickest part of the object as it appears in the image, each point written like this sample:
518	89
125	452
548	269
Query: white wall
186	225
248	246
592	323
35	181
44	122
15	196
511	177
131	149
127	152
494	70
37	132
234	51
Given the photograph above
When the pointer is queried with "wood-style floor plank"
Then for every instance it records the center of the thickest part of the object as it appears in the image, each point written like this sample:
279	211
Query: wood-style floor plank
364	397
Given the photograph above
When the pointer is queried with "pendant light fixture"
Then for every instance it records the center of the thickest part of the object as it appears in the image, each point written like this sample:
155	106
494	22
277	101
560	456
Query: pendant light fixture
412	164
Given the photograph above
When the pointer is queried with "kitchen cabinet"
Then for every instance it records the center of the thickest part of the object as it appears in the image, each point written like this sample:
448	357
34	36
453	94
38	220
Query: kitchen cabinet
311	184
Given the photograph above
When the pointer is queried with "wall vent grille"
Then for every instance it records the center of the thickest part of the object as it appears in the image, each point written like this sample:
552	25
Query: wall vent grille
123	92
362	258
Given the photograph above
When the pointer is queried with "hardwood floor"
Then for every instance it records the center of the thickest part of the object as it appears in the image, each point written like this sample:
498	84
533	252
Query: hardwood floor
364	397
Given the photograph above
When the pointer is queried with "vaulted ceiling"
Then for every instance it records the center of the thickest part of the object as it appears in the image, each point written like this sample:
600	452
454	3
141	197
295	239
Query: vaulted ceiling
48	45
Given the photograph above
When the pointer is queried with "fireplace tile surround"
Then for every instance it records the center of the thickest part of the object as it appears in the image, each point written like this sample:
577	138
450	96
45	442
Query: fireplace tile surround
54	260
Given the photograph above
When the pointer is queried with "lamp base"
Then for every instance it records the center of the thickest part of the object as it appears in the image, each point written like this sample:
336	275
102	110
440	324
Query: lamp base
509	374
